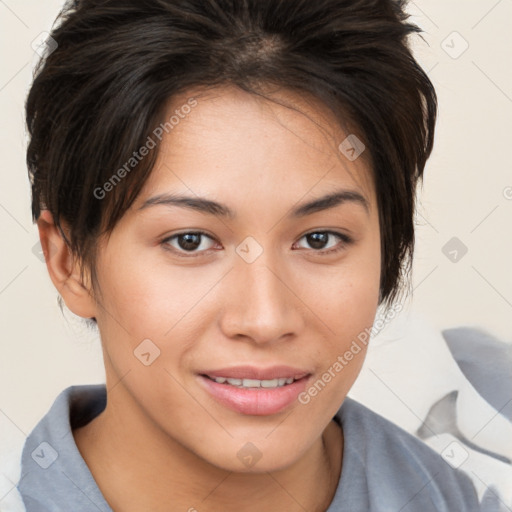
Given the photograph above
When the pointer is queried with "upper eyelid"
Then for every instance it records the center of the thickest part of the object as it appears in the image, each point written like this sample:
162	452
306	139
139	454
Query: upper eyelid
344	237
190	231
339	234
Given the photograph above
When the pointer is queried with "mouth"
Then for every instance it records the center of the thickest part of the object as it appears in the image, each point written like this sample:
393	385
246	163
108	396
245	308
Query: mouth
254	383
253	391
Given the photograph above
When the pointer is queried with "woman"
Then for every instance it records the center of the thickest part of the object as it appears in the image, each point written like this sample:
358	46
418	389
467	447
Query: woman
225	188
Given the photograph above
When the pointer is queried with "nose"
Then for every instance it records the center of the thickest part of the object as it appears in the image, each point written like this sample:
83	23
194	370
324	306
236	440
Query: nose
261	304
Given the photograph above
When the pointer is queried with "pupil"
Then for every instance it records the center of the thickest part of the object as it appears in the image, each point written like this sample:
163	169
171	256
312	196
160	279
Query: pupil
191	241
317	240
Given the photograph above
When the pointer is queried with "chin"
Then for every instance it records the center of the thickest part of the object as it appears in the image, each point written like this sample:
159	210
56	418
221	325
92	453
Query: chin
254	457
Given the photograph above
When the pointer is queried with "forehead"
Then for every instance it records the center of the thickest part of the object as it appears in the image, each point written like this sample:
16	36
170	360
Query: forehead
234	142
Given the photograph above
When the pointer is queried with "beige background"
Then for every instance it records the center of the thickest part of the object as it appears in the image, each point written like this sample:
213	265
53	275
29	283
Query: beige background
467	194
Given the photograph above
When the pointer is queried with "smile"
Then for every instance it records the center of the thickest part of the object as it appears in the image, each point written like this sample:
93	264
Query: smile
255	391
253	383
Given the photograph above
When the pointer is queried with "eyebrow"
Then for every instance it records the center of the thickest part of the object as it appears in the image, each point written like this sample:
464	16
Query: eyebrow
208	206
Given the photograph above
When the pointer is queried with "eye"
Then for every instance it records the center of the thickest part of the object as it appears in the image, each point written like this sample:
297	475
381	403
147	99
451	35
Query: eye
195	243
192	242
324	242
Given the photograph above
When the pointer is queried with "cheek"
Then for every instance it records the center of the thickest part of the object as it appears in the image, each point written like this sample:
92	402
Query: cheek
151	327
348	298
147	296
348	305
348	313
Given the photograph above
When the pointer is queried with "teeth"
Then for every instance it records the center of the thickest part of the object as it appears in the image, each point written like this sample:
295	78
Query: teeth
254	383
251	383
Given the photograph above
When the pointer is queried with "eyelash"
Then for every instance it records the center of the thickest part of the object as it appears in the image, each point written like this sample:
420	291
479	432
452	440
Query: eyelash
345	240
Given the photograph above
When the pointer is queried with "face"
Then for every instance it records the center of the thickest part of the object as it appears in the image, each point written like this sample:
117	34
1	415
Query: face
255	287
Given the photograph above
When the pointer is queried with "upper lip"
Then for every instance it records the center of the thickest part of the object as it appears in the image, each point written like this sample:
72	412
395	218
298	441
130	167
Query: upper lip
252	372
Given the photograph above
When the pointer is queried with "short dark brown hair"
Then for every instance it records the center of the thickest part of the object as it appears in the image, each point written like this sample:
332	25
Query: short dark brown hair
100	94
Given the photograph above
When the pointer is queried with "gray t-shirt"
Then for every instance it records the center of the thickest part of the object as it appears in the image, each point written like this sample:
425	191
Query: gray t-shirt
385	469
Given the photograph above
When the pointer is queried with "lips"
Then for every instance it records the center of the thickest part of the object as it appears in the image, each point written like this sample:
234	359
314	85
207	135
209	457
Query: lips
255	391
253	383
254	373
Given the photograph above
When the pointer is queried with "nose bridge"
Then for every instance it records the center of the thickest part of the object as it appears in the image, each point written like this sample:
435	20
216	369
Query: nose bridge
262	306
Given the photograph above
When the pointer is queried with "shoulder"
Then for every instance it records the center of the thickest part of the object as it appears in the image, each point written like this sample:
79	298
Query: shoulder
12	441
10	472
50	470
398	467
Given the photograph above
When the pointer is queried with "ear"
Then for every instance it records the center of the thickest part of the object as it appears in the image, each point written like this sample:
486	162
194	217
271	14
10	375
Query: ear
63	269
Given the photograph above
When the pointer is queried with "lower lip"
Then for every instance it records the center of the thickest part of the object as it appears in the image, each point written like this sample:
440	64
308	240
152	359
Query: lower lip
255	401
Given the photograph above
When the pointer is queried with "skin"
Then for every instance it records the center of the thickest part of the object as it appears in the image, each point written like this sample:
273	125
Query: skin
163	443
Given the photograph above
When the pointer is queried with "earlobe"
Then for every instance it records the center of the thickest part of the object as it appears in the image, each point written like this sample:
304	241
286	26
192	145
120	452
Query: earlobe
63	268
